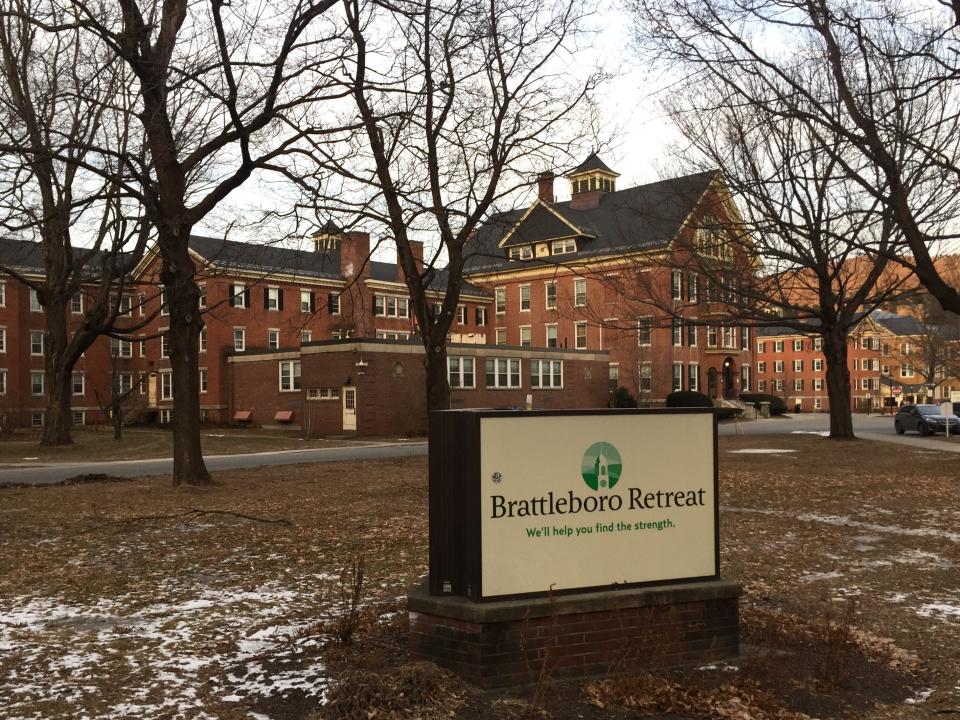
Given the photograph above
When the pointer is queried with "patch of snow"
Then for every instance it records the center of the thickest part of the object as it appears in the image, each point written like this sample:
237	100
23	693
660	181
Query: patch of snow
821	433
760	451
940	611
816	577
922	695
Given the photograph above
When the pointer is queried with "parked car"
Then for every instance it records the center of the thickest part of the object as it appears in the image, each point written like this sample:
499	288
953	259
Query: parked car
925	419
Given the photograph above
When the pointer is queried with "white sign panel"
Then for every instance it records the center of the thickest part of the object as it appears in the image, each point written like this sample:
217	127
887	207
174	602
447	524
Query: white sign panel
589	501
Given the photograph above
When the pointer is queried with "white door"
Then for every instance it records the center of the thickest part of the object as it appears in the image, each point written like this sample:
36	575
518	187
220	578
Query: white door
350	409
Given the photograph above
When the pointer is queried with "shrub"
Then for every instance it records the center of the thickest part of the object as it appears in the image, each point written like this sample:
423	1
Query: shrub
777	404
725	413
622	398
688	398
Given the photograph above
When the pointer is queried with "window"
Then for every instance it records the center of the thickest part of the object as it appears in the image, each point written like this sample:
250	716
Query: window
121	348
525	339
501	336
818	403
203	341
614	374
202	299
798	345
306	301
392	335
761	385
462	314
164	344
778	385
761	347
203	380
36	342
778	346
3	339
798	365
677	285
166	416
693	376
76	304
503	372
817	365
692	282
645	373
906	371
744	378
524	297
677	376
550	289
289	375
580	292
3	294
239	339
124	382
546	374
166	386
692	332
798	385
36	383
745	338
818	384
391	306
551	335
580	330
761	367
327	393
305	336
711	336
643	331
480	315
272	298
818	344
500	297
77	385
677	330
523	252
35	302
865	343
729	338
460	372
562	247
142	303
273	339
333	303
239	296
3	382
164	310
36	419
778	366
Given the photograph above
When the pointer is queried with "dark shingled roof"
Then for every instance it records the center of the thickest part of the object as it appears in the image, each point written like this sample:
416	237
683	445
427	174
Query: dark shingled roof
638	218
593	162
541	224
907	325
28	257
229	255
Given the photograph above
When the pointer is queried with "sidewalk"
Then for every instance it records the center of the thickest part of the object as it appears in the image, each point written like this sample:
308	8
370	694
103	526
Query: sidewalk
936	443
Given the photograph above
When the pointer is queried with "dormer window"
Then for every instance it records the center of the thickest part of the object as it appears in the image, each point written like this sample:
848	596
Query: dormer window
522	252
562	247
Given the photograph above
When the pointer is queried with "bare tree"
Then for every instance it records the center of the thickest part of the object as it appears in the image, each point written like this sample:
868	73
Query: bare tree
879	76
60	96
221	90
459	103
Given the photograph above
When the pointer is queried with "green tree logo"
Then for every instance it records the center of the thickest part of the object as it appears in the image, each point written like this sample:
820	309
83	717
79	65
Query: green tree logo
601	466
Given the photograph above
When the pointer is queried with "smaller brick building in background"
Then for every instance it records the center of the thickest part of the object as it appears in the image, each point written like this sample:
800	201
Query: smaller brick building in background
375	387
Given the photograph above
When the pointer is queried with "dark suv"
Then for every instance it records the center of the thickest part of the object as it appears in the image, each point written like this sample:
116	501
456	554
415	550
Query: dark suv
925	419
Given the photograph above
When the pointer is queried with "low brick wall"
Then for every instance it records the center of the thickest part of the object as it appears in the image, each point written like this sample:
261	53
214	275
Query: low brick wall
511	643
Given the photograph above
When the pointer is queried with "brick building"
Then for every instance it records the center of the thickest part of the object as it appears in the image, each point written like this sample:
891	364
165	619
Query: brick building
881	359
553	287
606	271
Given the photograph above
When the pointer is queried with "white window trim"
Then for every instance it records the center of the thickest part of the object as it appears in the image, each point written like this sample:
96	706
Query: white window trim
546	294
529	331
269	331
496	306
42	343
243	339
83	385
576	336
460	372
576	284
496	374
293	365
43	388
520	289
539	363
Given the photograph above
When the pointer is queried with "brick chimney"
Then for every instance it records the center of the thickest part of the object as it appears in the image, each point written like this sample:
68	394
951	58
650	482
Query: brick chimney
354	255
416	247
545	186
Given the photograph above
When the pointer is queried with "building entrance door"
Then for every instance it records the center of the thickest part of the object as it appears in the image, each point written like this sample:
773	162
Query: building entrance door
729	379
712	383
152	390
350	409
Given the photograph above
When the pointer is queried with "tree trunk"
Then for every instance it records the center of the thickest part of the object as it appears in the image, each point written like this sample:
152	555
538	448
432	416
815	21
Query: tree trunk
435	364
58	375
838	383
117	418
182	297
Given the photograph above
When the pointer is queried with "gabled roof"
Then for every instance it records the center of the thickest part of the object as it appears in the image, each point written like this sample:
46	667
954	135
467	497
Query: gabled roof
539	224
591	164
908	325
635	219
29	258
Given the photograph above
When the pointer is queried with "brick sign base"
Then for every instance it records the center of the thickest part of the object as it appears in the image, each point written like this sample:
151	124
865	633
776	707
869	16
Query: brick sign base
515	642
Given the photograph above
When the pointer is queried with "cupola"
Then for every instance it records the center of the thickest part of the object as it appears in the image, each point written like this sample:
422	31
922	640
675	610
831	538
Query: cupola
589	181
